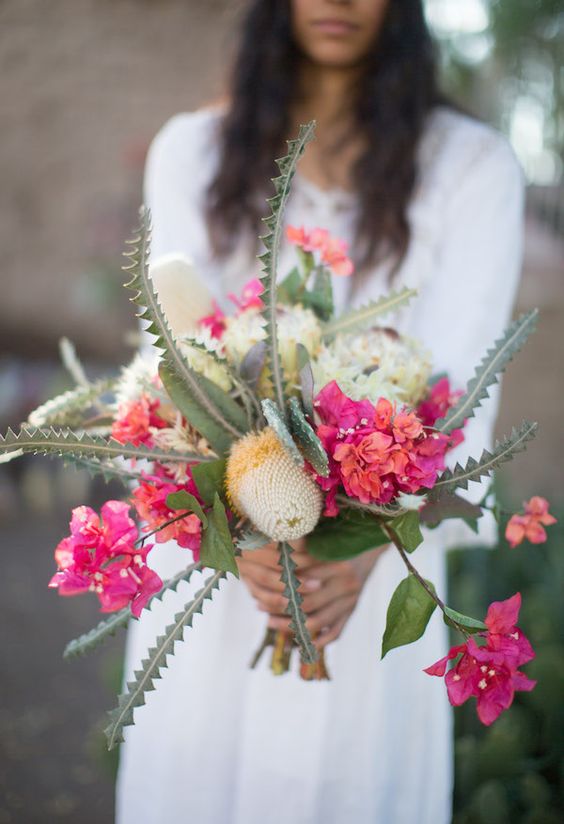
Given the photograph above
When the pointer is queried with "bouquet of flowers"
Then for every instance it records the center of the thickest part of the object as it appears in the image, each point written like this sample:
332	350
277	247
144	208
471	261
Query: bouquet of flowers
276	422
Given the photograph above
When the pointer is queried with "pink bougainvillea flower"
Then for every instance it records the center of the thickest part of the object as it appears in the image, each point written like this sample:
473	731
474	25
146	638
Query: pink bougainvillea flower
100	555
530	525
250	296
149	499
489	672
215	322
332	251
436	404
135	419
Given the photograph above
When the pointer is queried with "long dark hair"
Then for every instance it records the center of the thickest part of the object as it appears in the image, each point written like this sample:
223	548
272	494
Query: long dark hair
397	91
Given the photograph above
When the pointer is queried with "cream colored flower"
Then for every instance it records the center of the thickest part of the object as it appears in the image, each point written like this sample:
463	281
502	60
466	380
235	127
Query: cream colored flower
374	364
205	364
265	485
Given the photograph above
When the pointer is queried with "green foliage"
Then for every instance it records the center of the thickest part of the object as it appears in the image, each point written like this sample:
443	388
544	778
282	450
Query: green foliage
308	441
183	500
216	550
108	470
269	258
252	540
320	297
408	614
67	444
407	529
517	761
358	319
492	365
503	451
448	506
308	652
350	533
278	424
108	627
470	624
69	408
212	402
209	478
306	378
134	696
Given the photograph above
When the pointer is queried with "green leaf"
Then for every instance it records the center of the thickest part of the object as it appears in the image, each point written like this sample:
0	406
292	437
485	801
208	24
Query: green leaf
209	478
209	398
308	652
253	364
67	444
320	298
343	537
69	408
184	500
108	627
108	470
252	540
216	550
143	682
358	319
269	258
276	421
306	378
407	529
448	506
492	365
289	288
503	451
408	614
308	441
464	620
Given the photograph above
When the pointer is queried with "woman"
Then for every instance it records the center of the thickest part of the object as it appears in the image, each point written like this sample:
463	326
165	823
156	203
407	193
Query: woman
428	198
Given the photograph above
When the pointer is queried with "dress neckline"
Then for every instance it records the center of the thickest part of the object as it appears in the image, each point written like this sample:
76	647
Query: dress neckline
336	196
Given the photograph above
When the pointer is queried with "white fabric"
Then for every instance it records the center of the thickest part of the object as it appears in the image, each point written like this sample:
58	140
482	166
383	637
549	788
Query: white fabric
218	743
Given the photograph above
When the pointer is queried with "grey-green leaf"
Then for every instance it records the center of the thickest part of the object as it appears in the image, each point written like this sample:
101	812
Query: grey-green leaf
408	614
143	682
308	652
278	424
358	319
308	441
492	365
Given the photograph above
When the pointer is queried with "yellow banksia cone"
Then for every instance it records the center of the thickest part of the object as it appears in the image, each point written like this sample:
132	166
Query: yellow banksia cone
265	485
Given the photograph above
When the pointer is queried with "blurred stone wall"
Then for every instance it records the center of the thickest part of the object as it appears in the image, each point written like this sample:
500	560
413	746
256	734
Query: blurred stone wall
84	86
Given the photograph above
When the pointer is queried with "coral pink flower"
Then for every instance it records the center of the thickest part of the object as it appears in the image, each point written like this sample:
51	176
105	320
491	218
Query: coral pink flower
439	400
489	672
149	499
406	426
100	556
250	296
135	419
530	525
215	322
332	251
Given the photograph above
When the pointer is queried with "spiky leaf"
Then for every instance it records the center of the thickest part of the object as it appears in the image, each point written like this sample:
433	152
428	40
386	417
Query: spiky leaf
492	365
69	408
134	696
308	652
67	444
308	441
108	470
408	614
271	239
108	627
276	421
358	319
207	396
503	451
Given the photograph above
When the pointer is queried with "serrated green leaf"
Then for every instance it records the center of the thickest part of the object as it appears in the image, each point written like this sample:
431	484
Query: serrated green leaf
408	614
344	537
274	224
109	626
69	408
278	424
503	451
408	530
210	478
67	444
216	549
308	441
492	365
184	500
108	470
308	652
471	624
134	696
207	396
358	319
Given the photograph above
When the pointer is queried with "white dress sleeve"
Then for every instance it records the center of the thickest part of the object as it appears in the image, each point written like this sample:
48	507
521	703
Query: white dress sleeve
467	301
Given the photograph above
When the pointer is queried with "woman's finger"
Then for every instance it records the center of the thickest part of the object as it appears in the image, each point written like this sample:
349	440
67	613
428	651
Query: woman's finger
331	634
344	583
329	615
261	575
272	602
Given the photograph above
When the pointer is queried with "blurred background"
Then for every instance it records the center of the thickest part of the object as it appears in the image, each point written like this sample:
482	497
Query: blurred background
85	86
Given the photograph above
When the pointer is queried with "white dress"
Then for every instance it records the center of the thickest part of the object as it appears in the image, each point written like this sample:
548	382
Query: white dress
218	743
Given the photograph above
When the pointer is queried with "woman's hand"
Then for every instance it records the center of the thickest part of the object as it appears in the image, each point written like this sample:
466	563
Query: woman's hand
330	590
